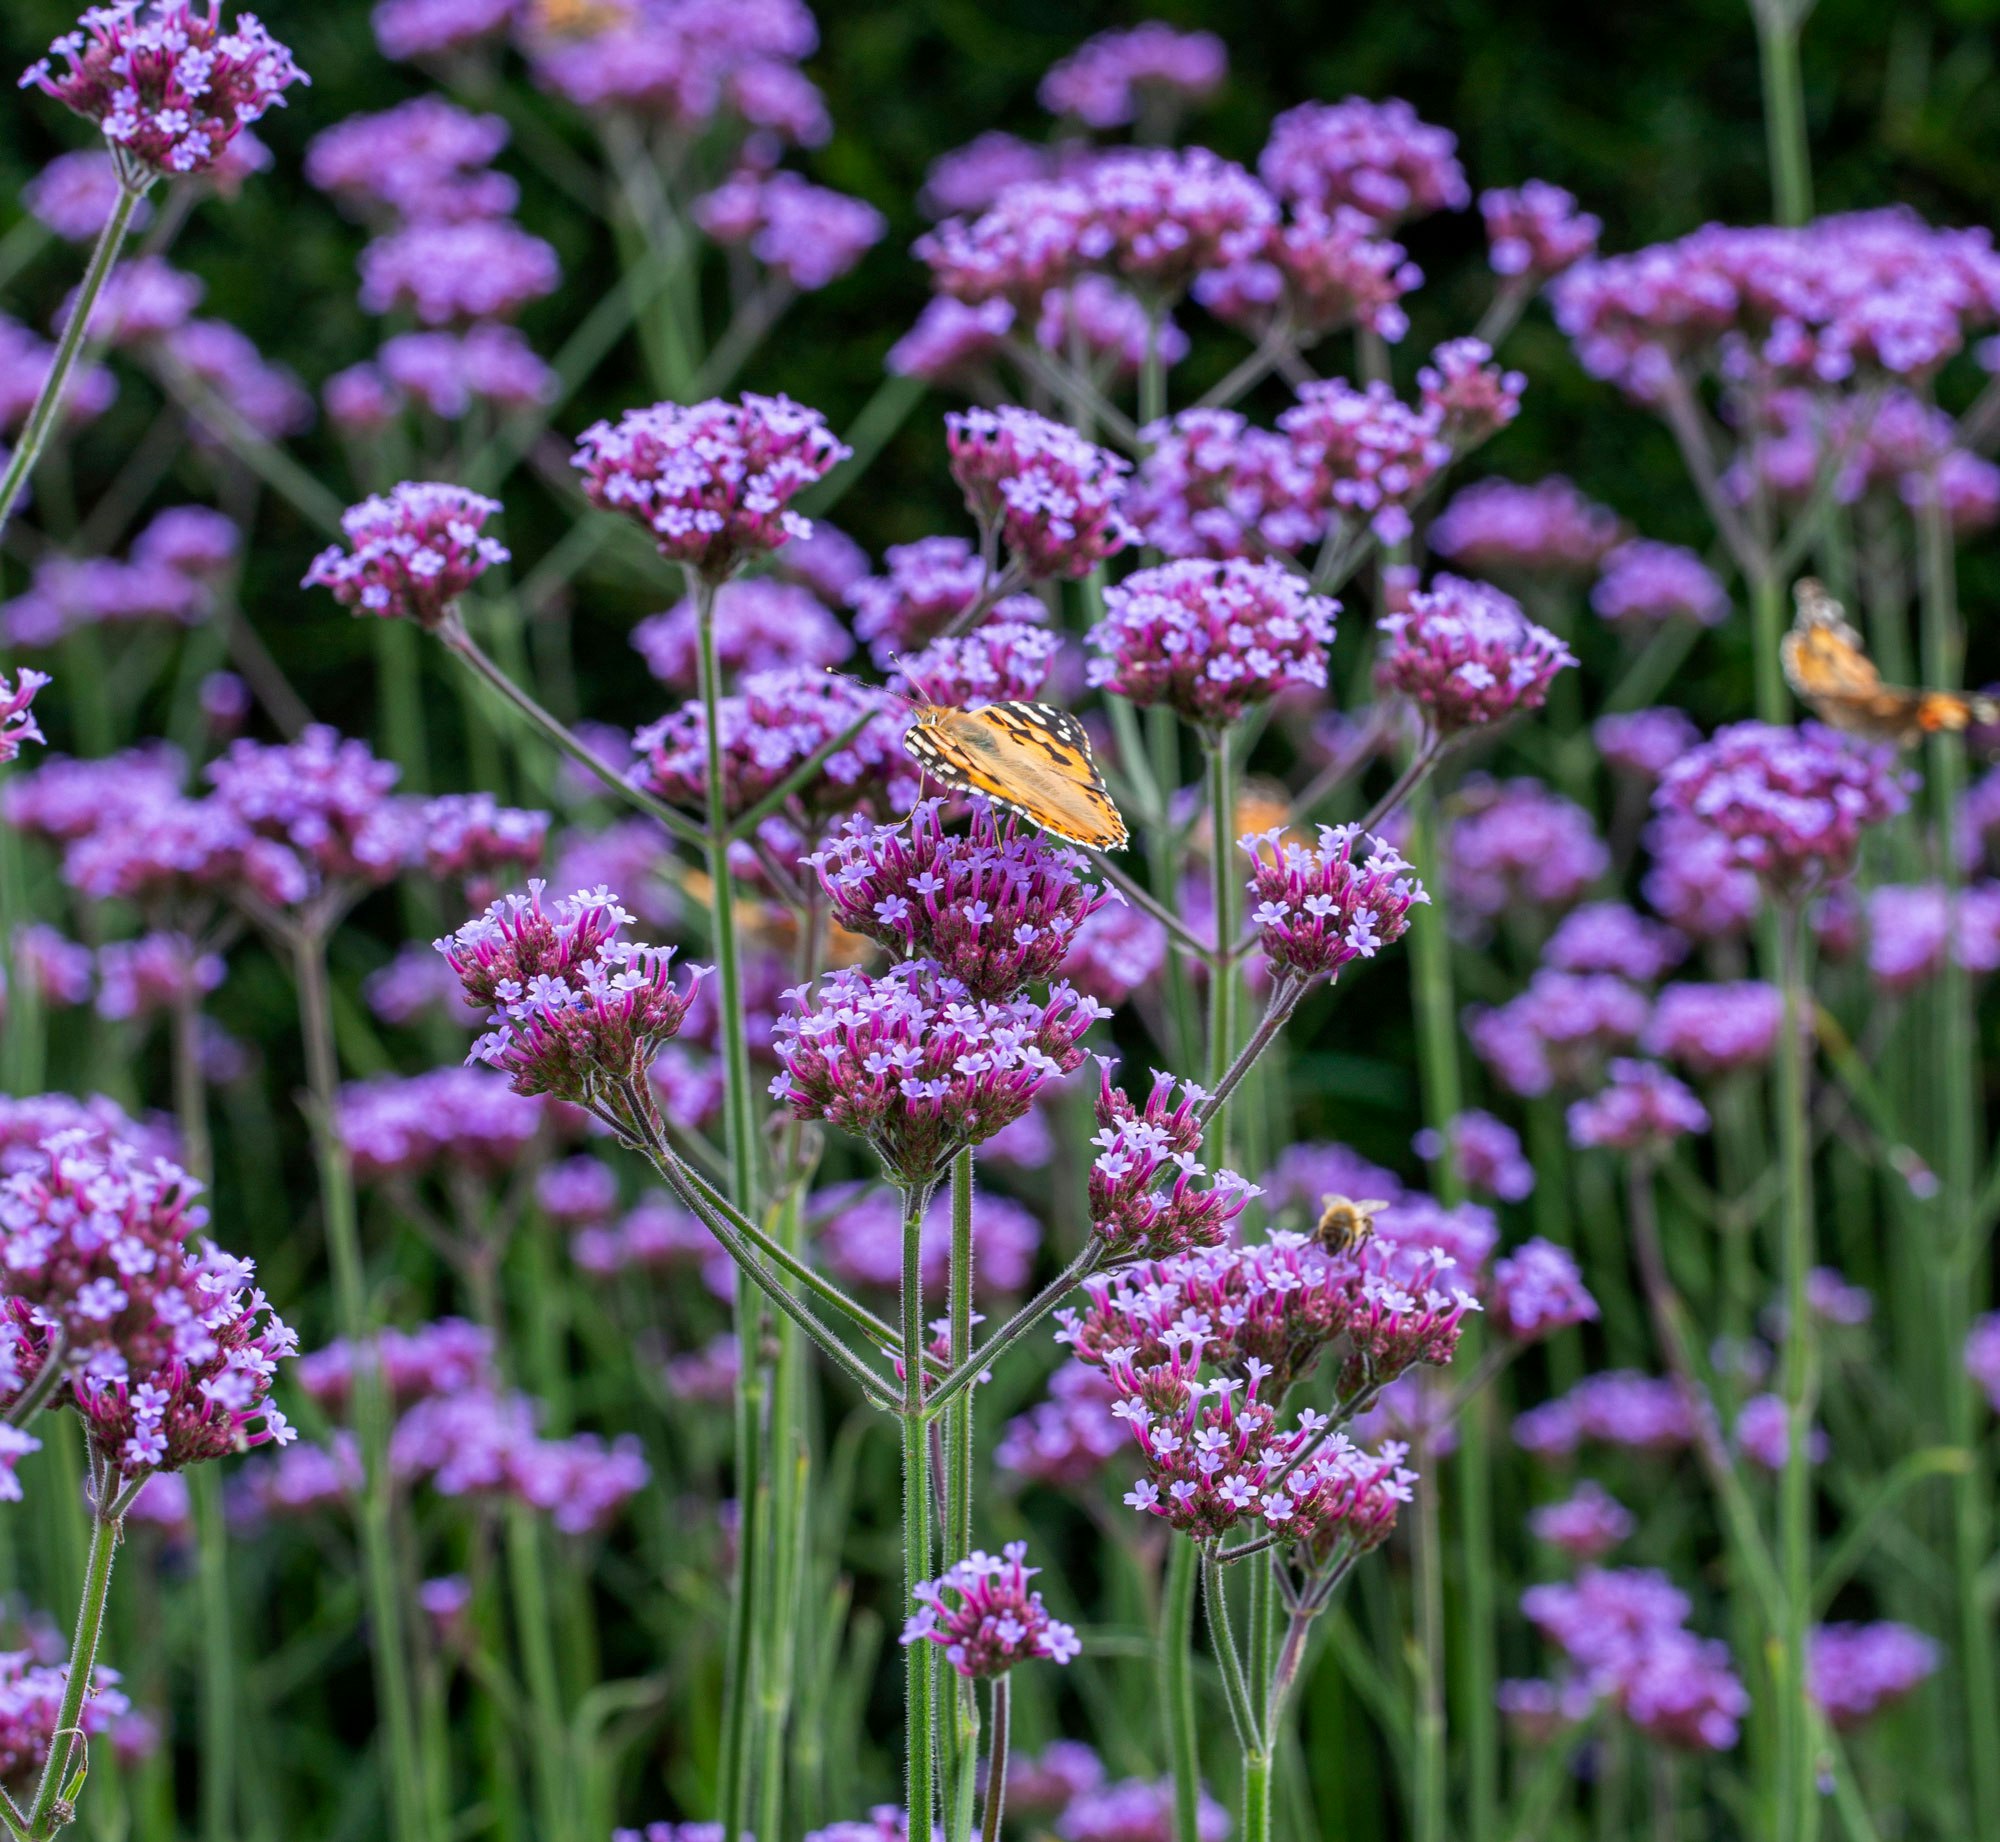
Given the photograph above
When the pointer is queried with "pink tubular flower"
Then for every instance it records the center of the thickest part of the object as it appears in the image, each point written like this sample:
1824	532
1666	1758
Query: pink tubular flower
1548	528
1469	395
577	1012
991	1620
399	1128
1130	1211
1537	1291
482	269
1557	1031
168	86
916	1066
1063	1441
804	233
1315	910
1052	496
1611	937
1376	156
17	717
1110	324
1645	583
1116	951
1108	80
1211	640
1364	454
1644	1109
1788	803
1536	231
927	585
411	553
168	1353
1586	1526
1467	656
712	482
994	910
953	345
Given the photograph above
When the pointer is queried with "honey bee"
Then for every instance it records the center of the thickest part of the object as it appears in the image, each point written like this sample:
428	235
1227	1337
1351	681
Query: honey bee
1345	1225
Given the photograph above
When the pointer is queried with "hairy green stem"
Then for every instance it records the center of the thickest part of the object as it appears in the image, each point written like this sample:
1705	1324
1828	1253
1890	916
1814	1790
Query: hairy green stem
919	1675
49	400
1222	970
1778	23
45	1814
961	1751
790	1462
996	1760
1176	1666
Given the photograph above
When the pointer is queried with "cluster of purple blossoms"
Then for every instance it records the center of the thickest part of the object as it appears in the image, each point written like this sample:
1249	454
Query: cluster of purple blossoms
32	1693
1874	290
1118	77
143	298
61	972
167	85
771	725
411	553
1855	1670
1586	1525
470	839
577	1192
803	233
155	974
1982	1356
916	1066
1466	655
443	1357
1535	230
951	346
1210	485
167	1353
1714	1029
73	196
1547	529
443	373
1763	1434
1317	910
1133	1213
17	717
1913	928
1324	271
1137	1810
1211	640
424	161
1614	937
1047	1783
861	1240
577	1012
760	622
655	1235
268	397
446	274
1051	495
1645	583
25	362
1789	803
1117	951
1109	324
1485	1154
1557	1032
711	482
1368	455
402	1128
1616	1407
1066	1440
1002	660
1515	844
993	910
983	1614
925	587
1376	156
1468	396
706	1376
1624	1632
968	179
1537	1291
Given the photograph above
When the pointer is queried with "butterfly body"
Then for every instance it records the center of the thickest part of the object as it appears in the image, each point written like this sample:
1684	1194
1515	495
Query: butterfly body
1031	758
1830	671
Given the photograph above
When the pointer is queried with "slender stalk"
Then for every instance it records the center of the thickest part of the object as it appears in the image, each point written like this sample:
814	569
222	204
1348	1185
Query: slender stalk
105	1529
1278	1009
49	400
963	1375
548	1757
1222	970
961	1752
1228	1659
1958	1278
343	1235
1778	23
1176	1667
1798	1797
1428	1791
739	1739
919	1679
789	1467
1767	635
996	1762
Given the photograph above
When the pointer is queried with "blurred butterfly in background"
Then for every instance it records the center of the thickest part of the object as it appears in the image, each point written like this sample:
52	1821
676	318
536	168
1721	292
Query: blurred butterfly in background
1031	758
1830	672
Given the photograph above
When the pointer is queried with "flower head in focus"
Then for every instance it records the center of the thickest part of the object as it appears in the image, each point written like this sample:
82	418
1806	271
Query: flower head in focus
1134	1209
1051	496
1317	909
1466	655
986	1617
17	717
411	553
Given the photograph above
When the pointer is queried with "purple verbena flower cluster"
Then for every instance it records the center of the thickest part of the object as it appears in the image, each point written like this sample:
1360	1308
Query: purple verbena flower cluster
411	552
1315	910
1466	655
1051	495
984	1615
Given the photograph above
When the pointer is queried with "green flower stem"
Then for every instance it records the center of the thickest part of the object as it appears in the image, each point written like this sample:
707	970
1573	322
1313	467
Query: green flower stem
1767	633
919	1676
779	1617
1960	1276
740	1740
1778	23
1222	969
53	1787
371	1408
48	402
1797	1790
996	1761
961	1733
962	1376
1176	1667
23	1043
548	1757
1443	1084
1428	1791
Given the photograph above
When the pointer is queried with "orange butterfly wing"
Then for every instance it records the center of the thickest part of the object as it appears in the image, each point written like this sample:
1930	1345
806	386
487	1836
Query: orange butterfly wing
1031	758
1829	670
